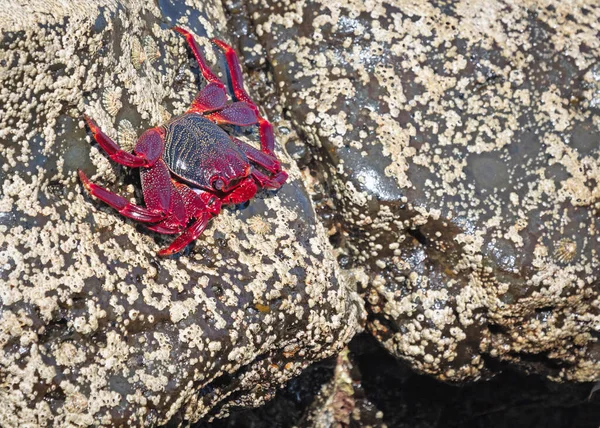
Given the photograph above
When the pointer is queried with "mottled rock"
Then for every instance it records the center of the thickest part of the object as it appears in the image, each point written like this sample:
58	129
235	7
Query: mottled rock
511	399
341	402
462	143
411	400
95	328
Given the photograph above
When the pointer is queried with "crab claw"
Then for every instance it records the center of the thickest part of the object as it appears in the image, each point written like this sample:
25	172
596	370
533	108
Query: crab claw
190	234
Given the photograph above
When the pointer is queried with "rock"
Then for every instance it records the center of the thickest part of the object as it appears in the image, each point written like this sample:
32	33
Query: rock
462	144
407	399
95	328
511	399
286	408
342	402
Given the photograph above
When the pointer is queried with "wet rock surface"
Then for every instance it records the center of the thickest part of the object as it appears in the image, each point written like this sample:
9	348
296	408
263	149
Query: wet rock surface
461	141
409	400
342	401
454	160
95	328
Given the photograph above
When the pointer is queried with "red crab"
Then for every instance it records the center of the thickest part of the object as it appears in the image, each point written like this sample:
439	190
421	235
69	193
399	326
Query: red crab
190	166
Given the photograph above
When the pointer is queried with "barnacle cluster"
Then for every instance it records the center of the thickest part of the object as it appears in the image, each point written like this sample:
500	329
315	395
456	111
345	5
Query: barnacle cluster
146	51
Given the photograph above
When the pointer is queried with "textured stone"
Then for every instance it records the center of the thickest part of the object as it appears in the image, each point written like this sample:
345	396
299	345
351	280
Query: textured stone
342	402
462	143
410	400
95	328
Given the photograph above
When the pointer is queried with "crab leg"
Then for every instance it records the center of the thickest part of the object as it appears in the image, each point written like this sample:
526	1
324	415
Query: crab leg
121	204
267	140
160	194
191	233
150	145
212	96
196	207
177	219
113	150
164	228
204	68
157	187
197	203
239	113
235	70
268	182
267	161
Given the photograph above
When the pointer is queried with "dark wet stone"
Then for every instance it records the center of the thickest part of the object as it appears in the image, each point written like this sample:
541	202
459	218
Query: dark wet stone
95	327
407	399
460	142
342	402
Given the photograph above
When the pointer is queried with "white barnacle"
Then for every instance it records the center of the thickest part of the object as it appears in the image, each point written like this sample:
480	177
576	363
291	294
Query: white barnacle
111	100
126	135
164	114
151	50
565	250
258	225
138	54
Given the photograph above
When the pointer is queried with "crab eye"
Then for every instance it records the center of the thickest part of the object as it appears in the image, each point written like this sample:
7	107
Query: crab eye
219	184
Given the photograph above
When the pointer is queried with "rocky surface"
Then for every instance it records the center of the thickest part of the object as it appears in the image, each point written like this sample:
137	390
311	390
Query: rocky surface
406	399
95	328
454	160
342	403
461	143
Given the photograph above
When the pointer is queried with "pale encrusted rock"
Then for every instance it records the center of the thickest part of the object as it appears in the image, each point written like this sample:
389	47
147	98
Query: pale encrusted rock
463	142
95	328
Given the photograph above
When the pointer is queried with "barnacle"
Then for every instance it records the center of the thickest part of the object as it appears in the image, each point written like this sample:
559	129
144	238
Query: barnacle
164	114
258	225
111	100
565	250
151	50
138	54
126	135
